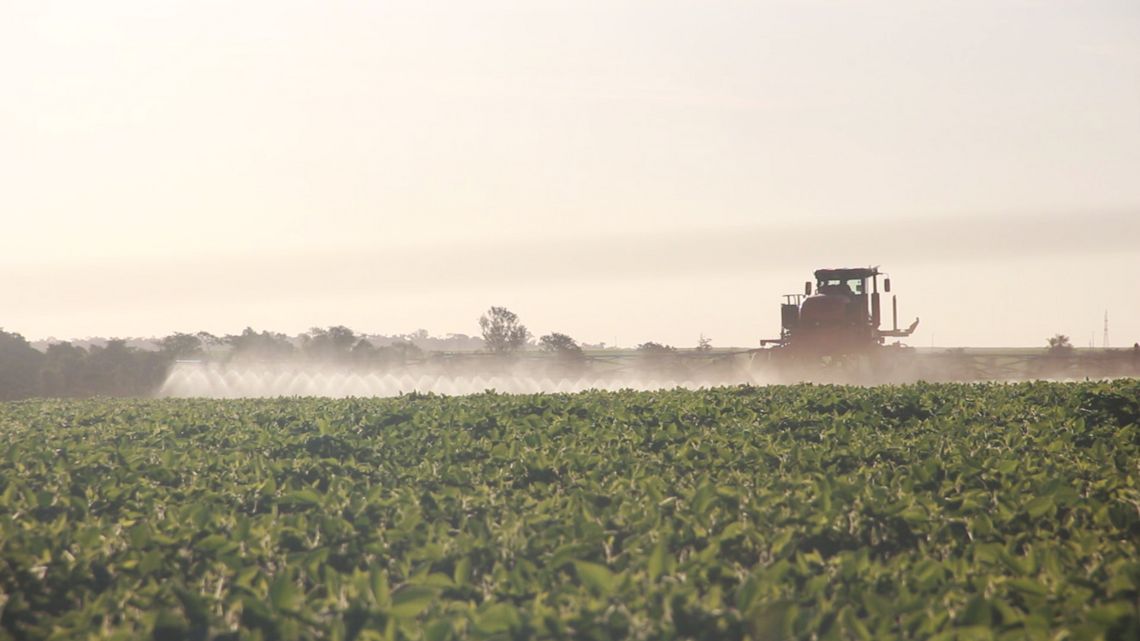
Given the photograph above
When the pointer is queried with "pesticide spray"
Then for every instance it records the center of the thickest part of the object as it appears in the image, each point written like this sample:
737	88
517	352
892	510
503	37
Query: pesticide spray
253	380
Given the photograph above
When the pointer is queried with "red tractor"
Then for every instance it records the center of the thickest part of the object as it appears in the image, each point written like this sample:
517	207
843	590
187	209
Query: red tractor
841	319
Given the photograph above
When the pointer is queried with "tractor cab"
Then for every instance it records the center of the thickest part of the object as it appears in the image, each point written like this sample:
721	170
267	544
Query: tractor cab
828	282
841	298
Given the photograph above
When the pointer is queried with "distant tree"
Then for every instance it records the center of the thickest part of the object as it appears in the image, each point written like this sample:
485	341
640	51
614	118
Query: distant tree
704	344
569	359
209	341
333	343
109	367
64	371
417	336
363	352
1060	344
461	342
658	359
259	345
19	367
116	369
363	346
399	353
179	346
651	348
502	331
560	344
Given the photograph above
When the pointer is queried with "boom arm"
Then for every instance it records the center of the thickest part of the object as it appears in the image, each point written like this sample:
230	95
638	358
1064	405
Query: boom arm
901	333
896	332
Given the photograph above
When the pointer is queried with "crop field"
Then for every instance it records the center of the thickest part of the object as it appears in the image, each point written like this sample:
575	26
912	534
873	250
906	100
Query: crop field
803	512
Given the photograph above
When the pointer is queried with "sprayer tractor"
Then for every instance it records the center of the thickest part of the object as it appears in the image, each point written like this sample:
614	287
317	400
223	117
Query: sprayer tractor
839	322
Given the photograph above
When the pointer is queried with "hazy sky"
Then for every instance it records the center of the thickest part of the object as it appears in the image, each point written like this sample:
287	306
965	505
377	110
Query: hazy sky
619	171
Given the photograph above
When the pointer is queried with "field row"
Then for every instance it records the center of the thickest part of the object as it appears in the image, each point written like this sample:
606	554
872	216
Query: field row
804	512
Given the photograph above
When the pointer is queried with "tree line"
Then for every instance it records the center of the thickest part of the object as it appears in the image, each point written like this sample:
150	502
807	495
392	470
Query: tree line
66	370
115	368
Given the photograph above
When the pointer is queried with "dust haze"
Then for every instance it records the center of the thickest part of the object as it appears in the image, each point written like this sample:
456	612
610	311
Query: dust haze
219	380
476	373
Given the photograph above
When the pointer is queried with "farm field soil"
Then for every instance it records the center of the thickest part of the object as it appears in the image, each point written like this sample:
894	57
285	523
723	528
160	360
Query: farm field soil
802	512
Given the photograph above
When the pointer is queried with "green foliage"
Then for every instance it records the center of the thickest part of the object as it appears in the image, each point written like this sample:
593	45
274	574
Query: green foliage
806	512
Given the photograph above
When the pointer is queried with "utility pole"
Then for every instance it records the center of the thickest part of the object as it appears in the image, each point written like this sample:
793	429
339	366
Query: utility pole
1104	341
